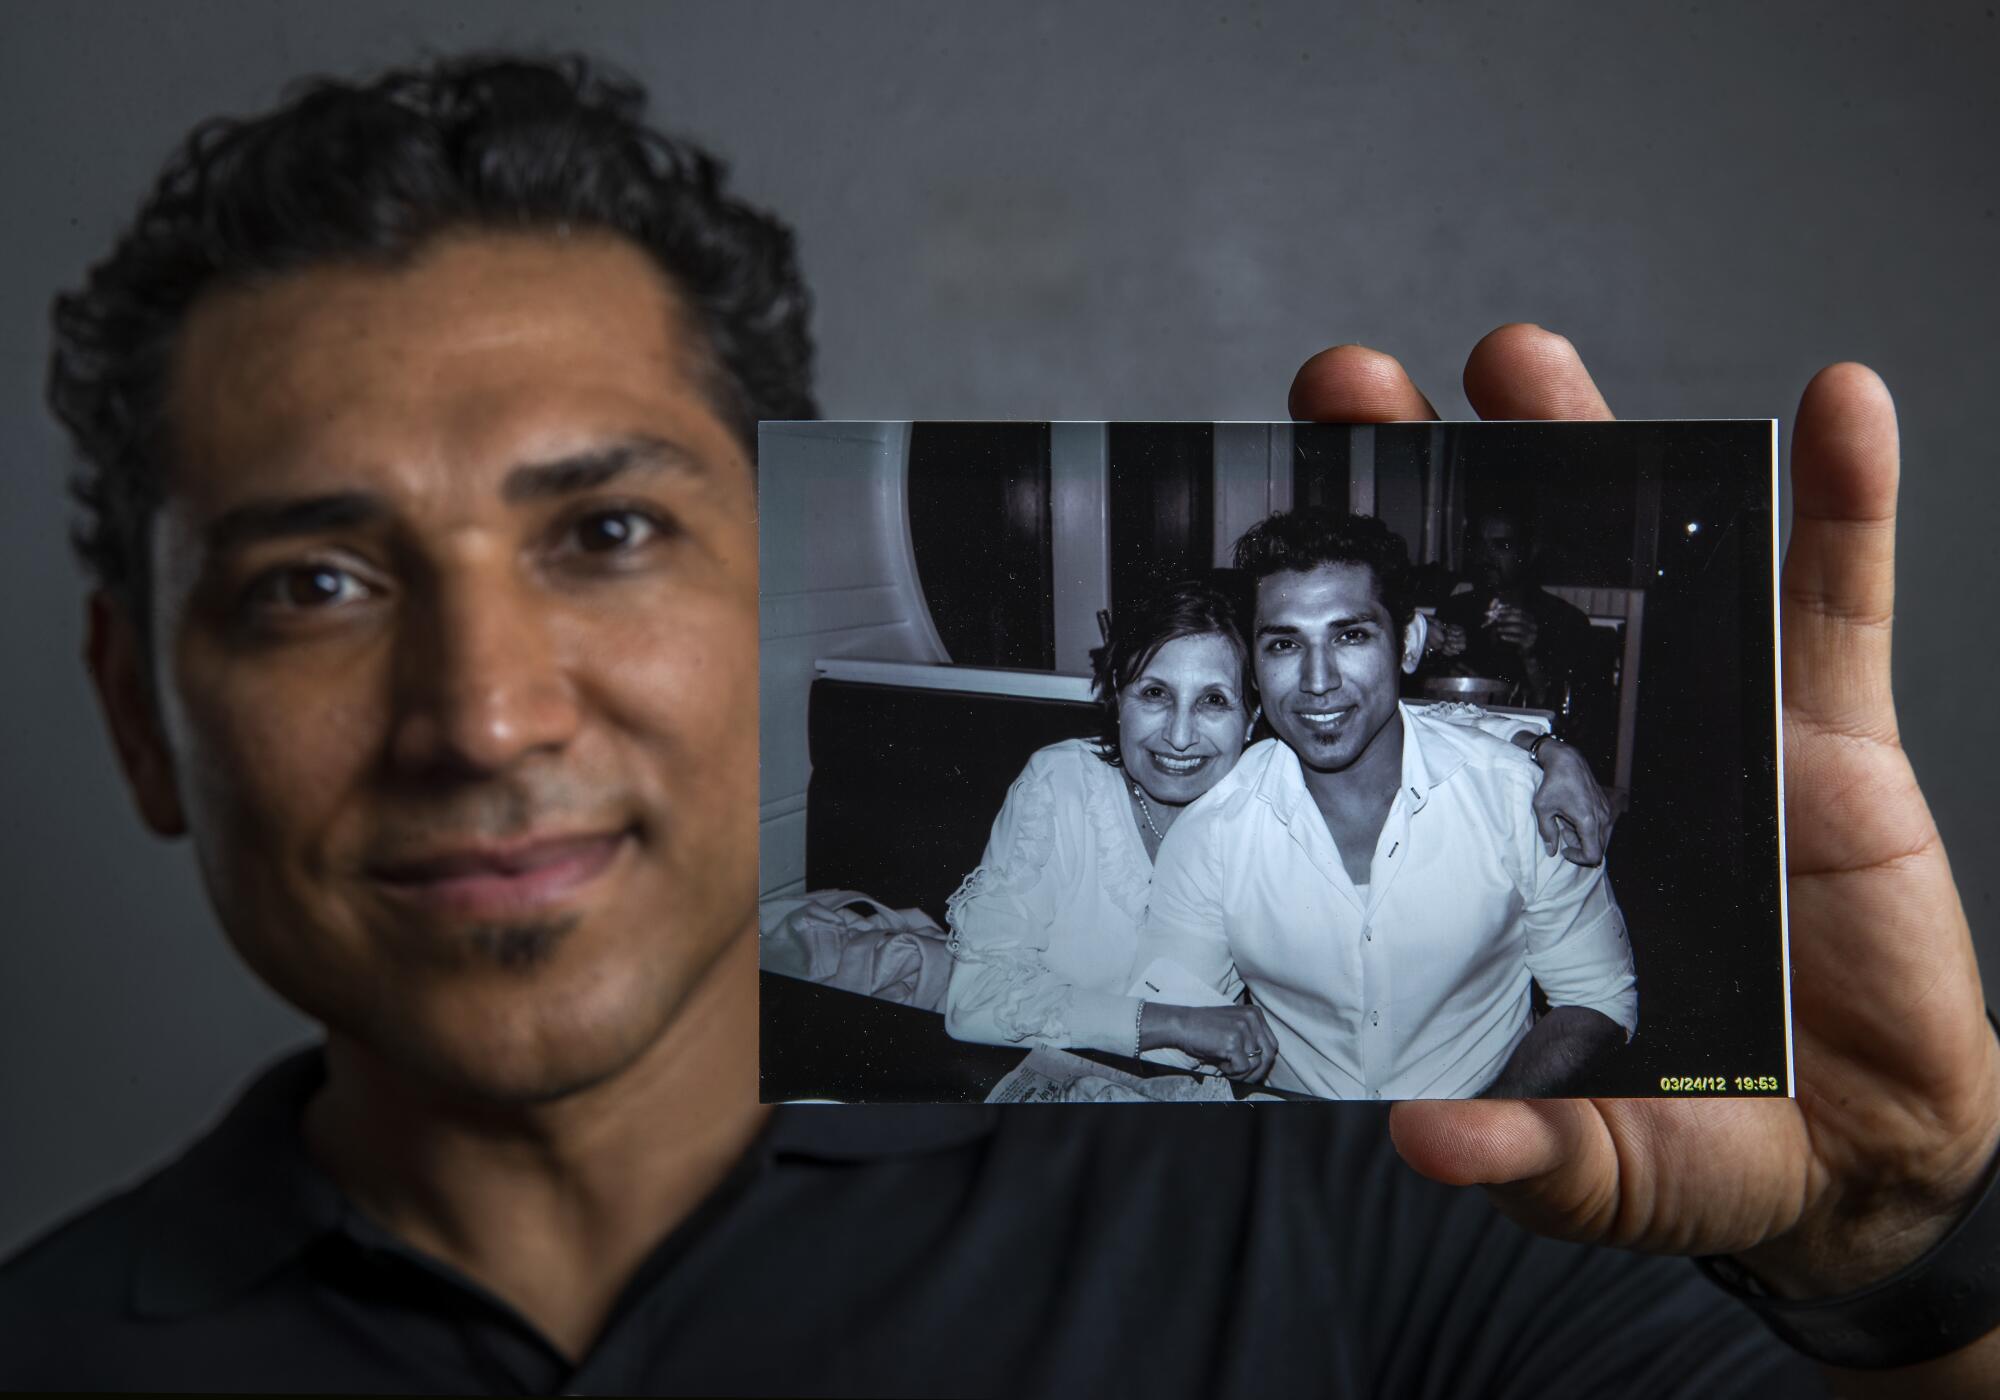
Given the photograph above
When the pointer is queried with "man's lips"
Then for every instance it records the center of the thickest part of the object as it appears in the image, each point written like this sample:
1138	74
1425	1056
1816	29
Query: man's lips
501	880
1327	721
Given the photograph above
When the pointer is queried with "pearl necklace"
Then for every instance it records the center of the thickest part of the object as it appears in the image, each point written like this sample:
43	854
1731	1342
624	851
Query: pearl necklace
1146	810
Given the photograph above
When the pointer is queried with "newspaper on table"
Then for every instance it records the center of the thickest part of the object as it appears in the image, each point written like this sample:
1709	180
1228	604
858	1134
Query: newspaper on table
1056	1076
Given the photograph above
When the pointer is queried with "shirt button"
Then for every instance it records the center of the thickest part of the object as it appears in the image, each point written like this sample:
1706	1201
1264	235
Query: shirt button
1376	1094
1367	933
1374	1018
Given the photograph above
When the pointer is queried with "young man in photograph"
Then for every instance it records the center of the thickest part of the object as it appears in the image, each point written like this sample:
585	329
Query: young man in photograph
1373	874
416	419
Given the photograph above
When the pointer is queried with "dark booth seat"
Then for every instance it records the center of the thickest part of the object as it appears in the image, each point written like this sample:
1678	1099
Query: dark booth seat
906	782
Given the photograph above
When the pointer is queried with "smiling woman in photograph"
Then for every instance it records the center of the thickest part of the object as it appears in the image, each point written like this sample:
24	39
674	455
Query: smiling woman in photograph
1043	932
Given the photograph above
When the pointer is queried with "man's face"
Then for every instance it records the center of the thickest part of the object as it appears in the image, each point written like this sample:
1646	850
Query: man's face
1327	654
457	600
1499	553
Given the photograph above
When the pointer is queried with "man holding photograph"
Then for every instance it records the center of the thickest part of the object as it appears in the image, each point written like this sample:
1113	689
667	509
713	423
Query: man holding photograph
1372	873
416	424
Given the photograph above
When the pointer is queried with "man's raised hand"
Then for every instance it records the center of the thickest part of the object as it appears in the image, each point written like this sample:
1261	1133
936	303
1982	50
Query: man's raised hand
1898	1108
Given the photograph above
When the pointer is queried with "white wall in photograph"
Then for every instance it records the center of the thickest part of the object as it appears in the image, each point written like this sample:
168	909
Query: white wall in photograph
838	579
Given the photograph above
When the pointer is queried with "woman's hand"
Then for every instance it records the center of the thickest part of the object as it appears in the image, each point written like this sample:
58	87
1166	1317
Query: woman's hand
1235	1039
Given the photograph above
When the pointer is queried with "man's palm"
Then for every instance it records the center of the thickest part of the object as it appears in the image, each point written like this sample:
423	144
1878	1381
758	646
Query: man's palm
1897	1107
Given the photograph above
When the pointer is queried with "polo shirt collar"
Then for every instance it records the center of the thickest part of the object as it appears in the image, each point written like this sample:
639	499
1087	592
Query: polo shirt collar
240	1203
246	1198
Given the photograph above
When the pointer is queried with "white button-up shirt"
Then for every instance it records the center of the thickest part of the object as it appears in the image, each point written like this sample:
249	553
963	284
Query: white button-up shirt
1417	984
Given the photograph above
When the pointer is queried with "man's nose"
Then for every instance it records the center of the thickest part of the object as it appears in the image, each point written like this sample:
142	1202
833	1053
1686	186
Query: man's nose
1319	675
482	682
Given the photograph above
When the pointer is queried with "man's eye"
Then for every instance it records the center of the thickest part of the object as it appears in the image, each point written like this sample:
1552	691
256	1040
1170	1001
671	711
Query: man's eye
304	588
1278	644
613	531
1354	634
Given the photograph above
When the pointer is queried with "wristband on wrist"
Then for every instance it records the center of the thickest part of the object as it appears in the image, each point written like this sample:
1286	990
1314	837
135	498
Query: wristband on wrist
1944	1300
1535	749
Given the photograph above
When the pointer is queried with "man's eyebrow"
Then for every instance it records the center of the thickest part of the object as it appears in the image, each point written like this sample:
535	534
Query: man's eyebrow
582	471
1289	629
255	521
278	519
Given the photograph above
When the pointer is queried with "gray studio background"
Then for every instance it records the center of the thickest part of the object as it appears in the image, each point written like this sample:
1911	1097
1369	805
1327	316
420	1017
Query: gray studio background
1052	211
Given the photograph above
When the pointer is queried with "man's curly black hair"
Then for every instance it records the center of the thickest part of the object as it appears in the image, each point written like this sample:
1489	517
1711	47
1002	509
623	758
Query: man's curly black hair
1306	538
367	172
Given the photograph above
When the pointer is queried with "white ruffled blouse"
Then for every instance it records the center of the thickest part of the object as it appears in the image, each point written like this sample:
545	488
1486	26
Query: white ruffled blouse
1043	932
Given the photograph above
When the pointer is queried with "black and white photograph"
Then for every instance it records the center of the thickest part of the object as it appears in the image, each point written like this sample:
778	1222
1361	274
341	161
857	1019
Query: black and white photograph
1205	761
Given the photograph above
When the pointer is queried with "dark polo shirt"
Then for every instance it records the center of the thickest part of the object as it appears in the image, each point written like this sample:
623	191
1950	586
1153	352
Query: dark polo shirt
1268	1250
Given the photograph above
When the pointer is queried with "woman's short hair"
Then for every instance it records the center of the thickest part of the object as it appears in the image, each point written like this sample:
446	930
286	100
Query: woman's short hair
1193	607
